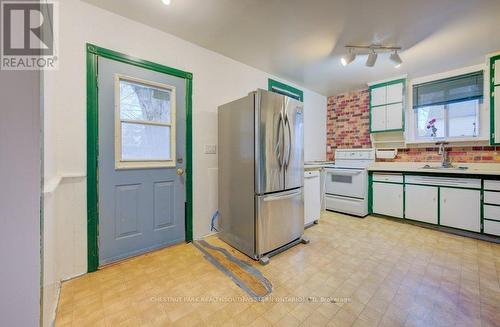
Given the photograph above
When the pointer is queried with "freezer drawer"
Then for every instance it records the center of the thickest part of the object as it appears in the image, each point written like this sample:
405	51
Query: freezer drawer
280	220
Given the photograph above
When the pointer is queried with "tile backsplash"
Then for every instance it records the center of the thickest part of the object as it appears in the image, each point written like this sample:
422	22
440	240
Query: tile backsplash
348	120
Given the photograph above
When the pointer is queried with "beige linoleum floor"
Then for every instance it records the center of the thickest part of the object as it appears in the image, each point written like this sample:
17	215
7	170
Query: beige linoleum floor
390	274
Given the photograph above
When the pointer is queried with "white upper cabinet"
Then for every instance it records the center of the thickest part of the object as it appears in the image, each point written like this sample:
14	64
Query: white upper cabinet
387	106
378	118
378	96
394	93
394	116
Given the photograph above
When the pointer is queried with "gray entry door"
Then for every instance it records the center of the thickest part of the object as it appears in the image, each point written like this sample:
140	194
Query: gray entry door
141	160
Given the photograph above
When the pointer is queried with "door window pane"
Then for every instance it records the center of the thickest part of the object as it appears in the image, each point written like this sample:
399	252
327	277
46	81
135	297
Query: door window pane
463	118
430	122
145	120
143	102
145	142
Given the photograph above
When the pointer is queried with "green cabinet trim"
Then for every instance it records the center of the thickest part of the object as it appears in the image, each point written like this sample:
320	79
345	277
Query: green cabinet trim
385	84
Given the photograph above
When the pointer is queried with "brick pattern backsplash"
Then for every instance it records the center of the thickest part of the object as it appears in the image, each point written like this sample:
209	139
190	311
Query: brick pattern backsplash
347	123
456	154
348	120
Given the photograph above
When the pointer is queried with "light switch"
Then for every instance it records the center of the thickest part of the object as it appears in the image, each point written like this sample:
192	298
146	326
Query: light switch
210	149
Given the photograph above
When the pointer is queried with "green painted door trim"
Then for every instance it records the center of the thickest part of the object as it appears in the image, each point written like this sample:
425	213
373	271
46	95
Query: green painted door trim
92	53
492	100
375	86
290	91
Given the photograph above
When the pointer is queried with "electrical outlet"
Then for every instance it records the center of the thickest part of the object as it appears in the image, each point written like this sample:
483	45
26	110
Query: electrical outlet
210	149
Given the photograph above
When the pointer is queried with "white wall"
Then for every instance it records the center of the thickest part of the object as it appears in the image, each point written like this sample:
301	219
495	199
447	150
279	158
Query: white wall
217	80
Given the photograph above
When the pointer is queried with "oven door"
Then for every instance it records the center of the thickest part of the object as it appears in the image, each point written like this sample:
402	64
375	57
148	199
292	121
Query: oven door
346	182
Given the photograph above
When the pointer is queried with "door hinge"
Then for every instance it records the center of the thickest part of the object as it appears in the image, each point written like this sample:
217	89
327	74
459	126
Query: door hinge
97	81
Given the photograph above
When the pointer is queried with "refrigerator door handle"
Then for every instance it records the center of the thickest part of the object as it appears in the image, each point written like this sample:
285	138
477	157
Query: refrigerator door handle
278	147
289	142
282	197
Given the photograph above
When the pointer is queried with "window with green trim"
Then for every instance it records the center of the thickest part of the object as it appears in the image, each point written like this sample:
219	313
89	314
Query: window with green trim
448	108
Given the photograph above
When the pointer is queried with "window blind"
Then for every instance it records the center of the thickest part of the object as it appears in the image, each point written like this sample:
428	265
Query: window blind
449	90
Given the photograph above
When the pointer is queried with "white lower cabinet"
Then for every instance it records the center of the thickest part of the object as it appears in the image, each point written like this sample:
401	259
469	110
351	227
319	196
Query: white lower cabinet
421	203
388	199
461	208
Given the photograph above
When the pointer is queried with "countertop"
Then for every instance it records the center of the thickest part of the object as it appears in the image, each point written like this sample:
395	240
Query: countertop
315	165
416	167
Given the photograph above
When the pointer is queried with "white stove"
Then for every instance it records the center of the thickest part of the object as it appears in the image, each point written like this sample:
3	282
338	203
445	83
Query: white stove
347	181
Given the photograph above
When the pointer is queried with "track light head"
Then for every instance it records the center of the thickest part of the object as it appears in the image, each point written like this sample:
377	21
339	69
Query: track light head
396	59
348	58
372	58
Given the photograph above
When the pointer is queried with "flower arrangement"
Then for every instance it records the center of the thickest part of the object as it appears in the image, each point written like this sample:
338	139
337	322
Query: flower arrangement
431	125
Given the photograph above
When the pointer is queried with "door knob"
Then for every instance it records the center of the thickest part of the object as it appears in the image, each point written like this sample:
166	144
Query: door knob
180	171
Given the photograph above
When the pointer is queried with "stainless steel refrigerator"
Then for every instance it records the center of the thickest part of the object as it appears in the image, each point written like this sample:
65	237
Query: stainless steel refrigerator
261	173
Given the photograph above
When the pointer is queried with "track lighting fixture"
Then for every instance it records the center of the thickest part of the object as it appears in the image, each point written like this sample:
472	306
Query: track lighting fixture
372	51
348	58
372	58
396	59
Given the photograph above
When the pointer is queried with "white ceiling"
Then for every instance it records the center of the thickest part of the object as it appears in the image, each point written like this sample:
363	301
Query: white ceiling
302	41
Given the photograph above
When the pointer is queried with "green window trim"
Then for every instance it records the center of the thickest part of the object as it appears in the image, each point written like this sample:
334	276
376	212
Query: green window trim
92	53
281	88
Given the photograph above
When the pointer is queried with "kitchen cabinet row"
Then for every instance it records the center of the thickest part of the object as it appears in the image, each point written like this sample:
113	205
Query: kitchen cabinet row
470	204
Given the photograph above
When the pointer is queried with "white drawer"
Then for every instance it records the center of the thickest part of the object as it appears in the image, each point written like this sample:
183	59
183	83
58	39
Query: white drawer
393	178
444	181
492	212
492	227
492	185
492	197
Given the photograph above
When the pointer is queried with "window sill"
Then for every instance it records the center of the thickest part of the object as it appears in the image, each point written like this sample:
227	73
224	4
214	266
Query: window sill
469	140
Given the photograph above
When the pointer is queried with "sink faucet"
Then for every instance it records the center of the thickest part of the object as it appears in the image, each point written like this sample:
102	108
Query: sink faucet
445	162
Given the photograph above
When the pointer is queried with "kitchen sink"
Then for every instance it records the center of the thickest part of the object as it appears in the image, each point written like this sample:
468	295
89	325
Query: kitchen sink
445	168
